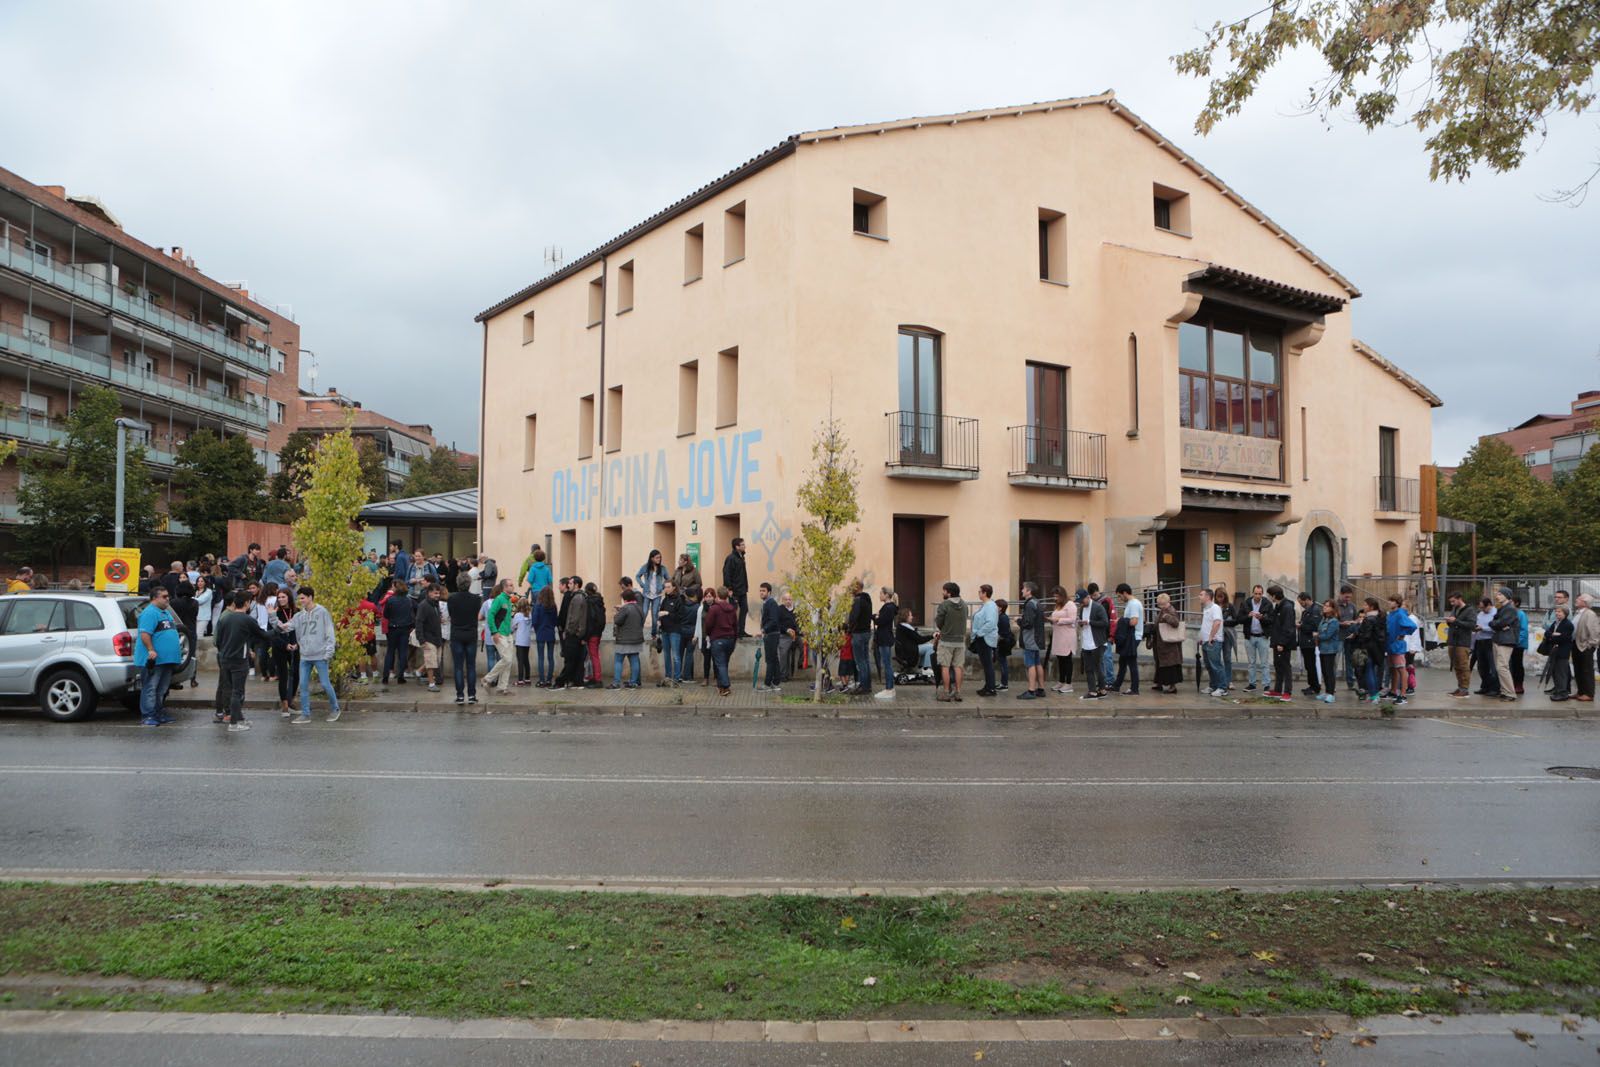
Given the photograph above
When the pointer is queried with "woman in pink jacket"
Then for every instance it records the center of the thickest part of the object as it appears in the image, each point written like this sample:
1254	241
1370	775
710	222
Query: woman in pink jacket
1063	637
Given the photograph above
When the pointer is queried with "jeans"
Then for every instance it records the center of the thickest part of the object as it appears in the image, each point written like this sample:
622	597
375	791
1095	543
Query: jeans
1308	660
524	668
1093	675
861	649
464	660
1230	642
230	690
1131	665
742	600
1488	681
490	655
652	611
1282	668
618	660
1108	660
925	655
985	660
769	649
1003	666
153	694
672	655
1258	650
593	644
547	660
573	656
321	667
1212	651
398	651
1369	678
1330	671
886	665
721	649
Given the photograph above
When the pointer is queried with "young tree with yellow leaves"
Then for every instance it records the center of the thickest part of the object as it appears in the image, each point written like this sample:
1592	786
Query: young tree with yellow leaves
329	536
824	553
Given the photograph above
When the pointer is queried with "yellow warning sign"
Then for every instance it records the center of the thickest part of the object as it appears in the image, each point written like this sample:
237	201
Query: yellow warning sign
116	570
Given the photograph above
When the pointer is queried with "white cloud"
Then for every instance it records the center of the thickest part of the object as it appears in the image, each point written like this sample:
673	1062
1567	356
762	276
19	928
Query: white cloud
391	169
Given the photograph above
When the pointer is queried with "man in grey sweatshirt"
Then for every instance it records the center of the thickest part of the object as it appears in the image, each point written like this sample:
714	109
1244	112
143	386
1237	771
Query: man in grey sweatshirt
313	633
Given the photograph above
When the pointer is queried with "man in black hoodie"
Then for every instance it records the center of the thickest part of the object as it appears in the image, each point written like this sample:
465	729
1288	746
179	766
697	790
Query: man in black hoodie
462	607
737	579
400	613
1283	636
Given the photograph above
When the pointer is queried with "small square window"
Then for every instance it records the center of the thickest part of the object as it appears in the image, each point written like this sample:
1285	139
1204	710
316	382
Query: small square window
1171	210
869	214
527	328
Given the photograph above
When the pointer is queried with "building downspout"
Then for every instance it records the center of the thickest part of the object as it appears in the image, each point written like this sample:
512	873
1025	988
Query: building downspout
483	404
600	419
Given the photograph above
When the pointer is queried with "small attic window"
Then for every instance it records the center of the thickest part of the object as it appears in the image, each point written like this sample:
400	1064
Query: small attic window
1171	209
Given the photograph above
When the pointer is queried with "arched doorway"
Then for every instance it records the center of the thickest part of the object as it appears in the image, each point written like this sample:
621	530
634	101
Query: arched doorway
1391	559
1318	579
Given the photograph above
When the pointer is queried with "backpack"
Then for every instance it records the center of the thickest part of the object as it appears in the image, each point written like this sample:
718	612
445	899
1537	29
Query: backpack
597	614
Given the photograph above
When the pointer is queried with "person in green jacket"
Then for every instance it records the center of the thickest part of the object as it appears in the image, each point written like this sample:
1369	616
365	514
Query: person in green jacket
499	620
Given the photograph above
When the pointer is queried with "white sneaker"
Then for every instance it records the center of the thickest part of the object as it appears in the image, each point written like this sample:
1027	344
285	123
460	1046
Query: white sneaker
286	714
1066	689
252	673
238	727
1219	692
883	694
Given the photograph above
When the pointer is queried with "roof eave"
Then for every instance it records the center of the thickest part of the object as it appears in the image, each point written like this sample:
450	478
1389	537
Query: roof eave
693	200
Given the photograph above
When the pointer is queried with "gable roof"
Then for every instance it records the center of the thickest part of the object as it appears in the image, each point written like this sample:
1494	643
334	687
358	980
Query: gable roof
787	148
1397	374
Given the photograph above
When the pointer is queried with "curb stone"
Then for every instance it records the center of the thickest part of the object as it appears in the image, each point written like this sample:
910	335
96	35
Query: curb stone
1222	1029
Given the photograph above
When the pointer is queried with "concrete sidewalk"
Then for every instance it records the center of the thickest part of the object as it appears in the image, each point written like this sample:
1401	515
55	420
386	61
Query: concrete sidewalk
914	701
983	1032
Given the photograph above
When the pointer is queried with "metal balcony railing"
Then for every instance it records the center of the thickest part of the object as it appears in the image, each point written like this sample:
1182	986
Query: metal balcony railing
1402	495
76	278
1054	455
919	440
151	383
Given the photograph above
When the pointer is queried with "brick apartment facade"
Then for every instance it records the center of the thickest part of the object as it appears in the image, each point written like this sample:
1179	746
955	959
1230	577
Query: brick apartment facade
1553	444
82	303
397	442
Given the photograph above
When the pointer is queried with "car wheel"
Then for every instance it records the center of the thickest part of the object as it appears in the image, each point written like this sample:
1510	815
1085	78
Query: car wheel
66	695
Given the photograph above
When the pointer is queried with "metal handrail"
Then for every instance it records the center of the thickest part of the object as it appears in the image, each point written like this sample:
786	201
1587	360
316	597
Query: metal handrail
923	439
1056	452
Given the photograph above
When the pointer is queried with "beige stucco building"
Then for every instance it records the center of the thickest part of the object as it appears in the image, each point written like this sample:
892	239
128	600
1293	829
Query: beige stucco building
1062	349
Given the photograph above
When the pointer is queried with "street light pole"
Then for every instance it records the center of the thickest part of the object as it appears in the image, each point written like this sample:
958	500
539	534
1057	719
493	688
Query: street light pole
123	426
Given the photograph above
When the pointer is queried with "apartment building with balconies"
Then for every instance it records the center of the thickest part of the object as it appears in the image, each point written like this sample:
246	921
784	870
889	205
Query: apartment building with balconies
399	443
1062	349
82	303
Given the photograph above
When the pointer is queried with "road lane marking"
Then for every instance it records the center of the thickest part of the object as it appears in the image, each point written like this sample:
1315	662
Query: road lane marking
302	773
1475	726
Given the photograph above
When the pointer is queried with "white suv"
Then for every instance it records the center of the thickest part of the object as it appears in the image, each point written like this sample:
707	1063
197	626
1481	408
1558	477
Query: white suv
69	649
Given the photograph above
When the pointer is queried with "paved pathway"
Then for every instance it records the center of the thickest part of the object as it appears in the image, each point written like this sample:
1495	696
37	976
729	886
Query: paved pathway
46	1039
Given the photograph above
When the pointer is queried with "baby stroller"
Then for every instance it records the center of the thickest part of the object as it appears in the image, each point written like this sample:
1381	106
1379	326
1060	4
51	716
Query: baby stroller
908	657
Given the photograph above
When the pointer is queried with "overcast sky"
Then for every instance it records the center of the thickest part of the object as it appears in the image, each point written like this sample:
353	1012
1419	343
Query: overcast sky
391	169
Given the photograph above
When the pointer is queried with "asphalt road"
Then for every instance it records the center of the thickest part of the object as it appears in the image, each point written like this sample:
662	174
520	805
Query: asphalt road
171	1050
805	804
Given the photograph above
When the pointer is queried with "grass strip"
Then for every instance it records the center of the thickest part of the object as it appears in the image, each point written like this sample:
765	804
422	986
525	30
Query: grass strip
637	956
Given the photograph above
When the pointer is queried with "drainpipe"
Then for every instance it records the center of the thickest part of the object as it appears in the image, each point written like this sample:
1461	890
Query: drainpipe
600	418
483	401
